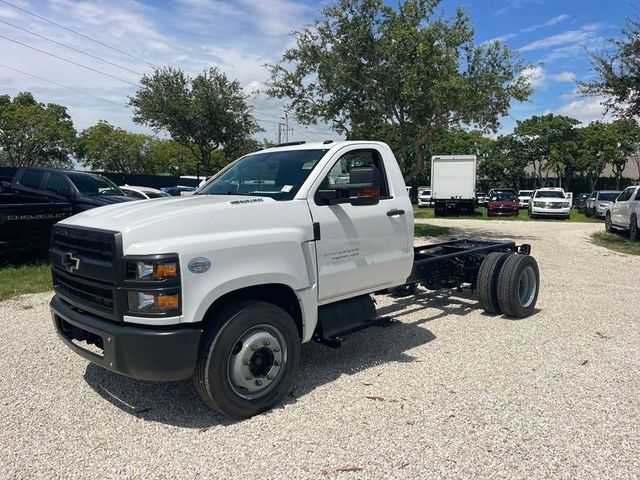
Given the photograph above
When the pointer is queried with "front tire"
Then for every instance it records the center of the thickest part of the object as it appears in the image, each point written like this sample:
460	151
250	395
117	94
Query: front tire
248	358
608	224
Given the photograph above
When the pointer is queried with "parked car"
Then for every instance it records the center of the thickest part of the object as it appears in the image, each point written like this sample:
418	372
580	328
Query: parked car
502	202
82	190
481	198
424	197
624	213
549	202
524	197
143	193
26	221
600	201
581	202
177	190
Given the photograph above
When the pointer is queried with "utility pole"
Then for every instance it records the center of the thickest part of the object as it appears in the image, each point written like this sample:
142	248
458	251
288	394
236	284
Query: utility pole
286	126
279	134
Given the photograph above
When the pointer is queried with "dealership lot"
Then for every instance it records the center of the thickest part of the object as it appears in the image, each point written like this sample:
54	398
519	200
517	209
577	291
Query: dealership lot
449	391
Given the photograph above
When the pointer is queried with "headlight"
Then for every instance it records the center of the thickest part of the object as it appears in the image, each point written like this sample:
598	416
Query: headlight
537	204
150	270
566	204
143	302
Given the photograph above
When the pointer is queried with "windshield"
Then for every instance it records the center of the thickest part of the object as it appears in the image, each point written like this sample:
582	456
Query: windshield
549	194
608	196
278	175
94	185
502	197
525	193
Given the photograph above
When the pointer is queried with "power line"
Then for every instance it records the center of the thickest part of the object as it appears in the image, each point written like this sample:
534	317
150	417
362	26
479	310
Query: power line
70	47
70	61
78	33
63	86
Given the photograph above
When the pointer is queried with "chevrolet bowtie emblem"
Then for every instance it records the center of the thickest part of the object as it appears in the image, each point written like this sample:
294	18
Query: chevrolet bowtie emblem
71	263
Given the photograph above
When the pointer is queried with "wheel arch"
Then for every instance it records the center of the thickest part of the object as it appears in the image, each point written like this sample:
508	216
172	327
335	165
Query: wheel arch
278	294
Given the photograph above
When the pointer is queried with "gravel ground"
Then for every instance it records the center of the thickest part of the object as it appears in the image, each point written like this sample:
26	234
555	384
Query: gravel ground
447	392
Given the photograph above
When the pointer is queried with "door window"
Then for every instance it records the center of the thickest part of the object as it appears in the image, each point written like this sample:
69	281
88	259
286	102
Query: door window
32	178
57	183
638	194
340	172
626	195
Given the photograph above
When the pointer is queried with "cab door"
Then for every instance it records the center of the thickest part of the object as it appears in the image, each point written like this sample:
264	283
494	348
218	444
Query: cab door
360	247
620	210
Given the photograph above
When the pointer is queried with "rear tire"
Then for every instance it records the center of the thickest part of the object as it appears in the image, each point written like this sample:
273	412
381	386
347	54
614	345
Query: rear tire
518	286
488	281
248	358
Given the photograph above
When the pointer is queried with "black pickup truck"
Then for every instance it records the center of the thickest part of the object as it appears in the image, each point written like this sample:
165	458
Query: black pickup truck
82	190
26	221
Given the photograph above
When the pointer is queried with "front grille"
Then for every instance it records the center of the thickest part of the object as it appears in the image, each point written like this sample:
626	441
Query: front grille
93	294
93	245
555	205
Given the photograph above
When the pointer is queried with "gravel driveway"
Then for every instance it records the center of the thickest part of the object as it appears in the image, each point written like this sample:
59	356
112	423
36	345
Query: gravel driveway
447	392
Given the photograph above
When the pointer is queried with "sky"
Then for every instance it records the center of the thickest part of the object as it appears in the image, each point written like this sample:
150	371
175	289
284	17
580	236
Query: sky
241	36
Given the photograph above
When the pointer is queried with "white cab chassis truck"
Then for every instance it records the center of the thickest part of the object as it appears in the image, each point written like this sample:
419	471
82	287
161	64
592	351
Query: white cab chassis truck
453	184
283	246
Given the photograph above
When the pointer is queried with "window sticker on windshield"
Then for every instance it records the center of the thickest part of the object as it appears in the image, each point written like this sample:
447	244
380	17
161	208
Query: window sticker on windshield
286	188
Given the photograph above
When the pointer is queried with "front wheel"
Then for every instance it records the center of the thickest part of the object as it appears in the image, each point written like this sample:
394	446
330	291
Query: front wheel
608	224
248	358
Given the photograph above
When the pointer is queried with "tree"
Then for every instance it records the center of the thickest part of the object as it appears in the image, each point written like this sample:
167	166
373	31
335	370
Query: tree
204	113
104	147
32	133
549	143
592	160
618	73
621	143
504	163
172	158
401	75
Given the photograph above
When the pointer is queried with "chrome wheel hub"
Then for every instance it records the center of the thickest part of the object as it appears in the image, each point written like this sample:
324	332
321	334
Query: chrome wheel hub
527	287
257	361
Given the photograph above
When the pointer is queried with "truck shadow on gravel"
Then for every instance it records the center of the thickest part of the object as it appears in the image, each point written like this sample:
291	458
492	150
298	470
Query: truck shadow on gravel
177	404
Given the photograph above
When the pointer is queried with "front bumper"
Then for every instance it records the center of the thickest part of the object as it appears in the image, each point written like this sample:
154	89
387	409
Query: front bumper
550	212
424	202
163	354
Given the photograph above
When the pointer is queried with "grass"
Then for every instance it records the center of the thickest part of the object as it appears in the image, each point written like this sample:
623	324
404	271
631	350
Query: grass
481	214
616	242
26	278
426	230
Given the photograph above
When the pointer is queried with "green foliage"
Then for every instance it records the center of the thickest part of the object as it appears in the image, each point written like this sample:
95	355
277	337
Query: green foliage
103	147
618	73
504	163
27	278
549	143
33	133
401	75
204	113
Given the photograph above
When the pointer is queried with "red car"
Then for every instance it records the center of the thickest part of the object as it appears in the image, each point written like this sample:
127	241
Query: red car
502	202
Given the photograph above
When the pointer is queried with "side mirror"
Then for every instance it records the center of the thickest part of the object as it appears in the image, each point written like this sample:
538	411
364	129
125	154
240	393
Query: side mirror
366	180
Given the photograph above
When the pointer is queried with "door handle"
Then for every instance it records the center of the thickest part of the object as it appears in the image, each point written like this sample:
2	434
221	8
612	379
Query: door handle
393	212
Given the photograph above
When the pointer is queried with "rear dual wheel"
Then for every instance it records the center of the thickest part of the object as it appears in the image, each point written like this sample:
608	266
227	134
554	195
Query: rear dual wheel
508	283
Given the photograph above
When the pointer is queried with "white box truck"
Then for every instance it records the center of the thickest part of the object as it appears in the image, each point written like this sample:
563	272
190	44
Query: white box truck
453	183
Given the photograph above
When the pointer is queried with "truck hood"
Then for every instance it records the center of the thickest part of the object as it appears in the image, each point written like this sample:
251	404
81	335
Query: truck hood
160	224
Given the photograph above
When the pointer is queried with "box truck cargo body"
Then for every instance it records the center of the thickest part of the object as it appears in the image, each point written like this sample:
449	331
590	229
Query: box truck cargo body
453	183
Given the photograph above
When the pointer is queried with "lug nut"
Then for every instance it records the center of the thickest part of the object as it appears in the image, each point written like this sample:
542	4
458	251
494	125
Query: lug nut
246	362
276	363
259	383
267	343
270	377
276	349
248	377
253	348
